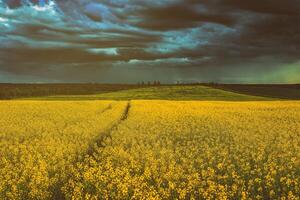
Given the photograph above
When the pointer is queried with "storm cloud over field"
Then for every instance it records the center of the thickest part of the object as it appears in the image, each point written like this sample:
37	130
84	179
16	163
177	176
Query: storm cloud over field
131	40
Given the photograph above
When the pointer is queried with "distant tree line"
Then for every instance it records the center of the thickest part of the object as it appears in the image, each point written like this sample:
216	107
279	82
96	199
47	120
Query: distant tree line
149	83
12	91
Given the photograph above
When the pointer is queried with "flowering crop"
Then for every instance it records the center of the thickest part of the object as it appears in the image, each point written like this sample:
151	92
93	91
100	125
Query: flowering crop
158	150
39	140
196	150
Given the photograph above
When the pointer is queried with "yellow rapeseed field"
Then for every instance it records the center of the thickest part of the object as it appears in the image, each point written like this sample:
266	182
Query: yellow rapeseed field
158	150
40	140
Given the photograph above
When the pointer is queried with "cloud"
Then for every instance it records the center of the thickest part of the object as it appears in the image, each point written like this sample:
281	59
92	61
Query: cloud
180	15
98	12
273	7
182	39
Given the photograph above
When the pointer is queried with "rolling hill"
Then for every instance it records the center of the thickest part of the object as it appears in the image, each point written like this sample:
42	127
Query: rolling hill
181	92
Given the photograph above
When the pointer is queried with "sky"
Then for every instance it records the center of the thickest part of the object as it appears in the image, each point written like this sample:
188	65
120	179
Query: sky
128	41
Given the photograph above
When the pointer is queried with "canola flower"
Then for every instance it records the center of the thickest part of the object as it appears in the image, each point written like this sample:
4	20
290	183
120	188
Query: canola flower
39	140
160	150
196	150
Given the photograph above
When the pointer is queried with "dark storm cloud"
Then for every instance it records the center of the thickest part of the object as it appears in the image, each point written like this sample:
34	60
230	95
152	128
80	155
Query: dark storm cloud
192	39
181	15
274	7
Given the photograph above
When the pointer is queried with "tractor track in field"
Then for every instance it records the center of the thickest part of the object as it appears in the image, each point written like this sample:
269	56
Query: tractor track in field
105	138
